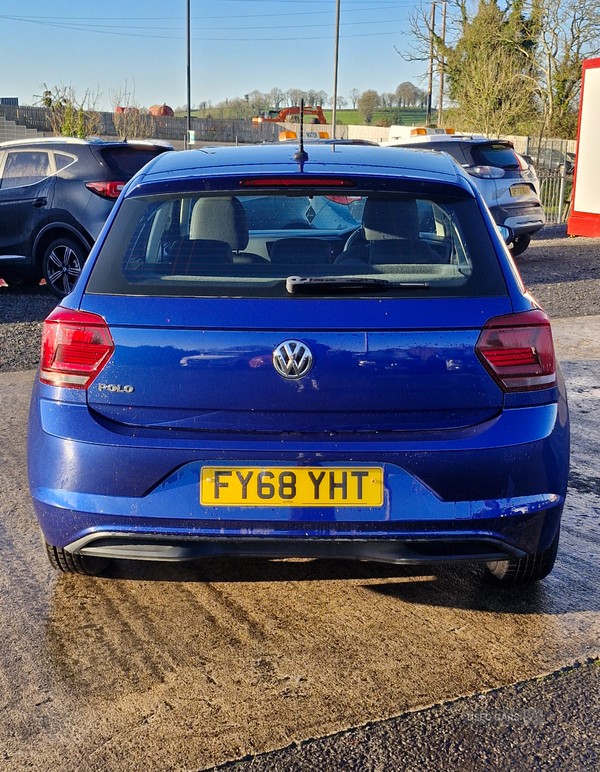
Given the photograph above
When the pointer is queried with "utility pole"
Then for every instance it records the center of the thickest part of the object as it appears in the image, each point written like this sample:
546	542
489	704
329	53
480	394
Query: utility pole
430	81
441	102
189	82
335	68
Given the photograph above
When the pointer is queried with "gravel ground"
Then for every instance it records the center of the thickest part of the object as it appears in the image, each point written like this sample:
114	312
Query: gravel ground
563	273
21	315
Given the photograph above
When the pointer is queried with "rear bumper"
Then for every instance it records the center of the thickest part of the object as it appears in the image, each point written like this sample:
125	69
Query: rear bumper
522	218
489	492
497	538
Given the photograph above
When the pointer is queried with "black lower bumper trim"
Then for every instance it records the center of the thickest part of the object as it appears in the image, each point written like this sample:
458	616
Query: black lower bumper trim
400	551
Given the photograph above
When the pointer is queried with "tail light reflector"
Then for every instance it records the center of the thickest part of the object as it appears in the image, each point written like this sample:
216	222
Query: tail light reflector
106	189
75	347
518	352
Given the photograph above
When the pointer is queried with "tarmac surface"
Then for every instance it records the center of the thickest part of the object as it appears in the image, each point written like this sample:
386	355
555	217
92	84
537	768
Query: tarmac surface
546	724
337	663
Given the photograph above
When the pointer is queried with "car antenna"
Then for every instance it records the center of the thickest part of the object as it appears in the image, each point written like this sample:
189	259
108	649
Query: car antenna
301	156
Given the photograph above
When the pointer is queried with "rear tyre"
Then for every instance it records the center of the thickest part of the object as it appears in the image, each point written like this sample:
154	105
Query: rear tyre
71	563
520	244
62	264
531	568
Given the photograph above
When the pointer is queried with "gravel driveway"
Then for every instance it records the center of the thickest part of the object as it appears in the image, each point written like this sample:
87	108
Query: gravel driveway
563	273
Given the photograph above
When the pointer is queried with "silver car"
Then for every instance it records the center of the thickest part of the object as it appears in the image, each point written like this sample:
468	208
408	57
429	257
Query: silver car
508	184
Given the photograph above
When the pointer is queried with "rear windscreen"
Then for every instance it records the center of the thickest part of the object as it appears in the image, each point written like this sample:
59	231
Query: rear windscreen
249	245
495	154
128	160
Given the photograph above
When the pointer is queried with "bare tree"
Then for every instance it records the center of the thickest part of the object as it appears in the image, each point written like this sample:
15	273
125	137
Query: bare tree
407	94
294	96
129	119
277	97
550	37
71	116
568	34
239	109
258	101
341	102
368	102
354	95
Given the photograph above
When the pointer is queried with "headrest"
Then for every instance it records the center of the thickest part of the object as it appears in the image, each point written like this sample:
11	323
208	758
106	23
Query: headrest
220	219
390	220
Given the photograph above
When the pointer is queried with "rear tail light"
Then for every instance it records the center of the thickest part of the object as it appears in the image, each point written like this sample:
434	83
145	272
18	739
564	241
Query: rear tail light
518	352
523	165
75	347
106	189
485	172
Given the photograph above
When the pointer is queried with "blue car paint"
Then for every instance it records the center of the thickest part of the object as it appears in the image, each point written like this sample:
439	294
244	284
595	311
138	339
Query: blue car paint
505	476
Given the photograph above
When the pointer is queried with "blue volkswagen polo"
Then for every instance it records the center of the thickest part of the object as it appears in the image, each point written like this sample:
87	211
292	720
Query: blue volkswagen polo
276	355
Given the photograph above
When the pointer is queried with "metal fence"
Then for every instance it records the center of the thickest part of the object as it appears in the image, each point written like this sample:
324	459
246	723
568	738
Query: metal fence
554	161
556	187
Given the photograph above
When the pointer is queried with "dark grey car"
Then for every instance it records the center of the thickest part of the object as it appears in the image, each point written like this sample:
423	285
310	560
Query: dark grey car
55	195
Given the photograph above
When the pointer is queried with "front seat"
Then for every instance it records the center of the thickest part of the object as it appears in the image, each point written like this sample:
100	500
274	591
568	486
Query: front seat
391	233
223	219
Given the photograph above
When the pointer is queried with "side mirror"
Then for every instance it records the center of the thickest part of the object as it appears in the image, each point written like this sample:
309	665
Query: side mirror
507	234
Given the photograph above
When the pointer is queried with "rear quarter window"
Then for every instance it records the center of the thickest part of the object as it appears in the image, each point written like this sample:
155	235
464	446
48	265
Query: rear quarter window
62	160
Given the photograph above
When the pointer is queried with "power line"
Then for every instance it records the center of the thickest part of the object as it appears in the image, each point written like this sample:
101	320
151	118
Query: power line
80	28
110	27
401	4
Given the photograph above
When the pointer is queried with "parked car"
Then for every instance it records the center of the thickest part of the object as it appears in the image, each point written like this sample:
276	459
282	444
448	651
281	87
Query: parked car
240	369
55	195
507	182
551	159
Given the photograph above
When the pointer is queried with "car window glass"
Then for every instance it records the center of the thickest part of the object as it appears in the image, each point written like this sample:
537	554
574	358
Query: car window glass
495	154
248	245
63	160
129	160
302	212
25	168
453	149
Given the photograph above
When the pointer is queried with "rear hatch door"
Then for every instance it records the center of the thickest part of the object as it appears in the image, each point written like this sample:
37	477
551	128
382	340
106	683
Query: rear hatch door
207	364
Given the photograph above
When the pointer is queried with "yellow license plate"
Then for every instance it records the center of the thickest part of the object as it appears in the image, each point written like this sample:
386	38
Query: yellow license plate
255	486
520	190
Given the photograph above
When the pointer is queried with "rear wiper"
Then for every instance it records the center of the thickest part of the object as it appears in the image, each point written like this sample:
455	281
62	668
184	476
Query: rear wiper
318	285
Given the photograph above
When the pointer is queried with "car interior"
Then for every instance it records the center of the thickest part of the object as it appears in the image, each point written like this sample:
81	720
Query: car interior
189	238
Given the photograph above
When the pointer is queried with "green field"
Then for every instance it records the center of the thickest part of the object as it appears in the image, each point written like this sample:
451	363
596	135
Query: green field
407	117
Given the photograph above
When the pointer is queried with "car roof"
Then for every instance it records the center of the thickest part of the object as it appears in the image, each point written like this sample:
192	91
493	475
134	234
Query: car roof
278	159
436	139
96	141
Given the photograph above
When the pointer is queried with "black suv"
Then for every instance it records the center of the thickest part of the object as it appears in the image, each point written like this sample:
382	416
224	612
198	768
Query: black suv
55	195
